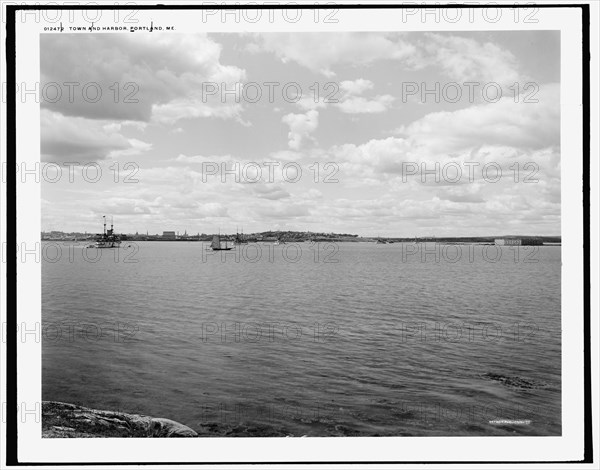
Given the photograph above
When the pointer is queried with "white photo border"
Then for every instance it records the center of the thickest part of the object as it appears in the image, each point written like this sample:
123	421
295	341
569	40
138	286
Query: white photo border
568	447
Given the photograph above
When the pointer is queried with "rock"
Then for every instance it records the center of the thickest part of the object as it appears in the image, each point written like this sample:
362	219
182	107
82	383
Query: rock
67	420
162	427
515	382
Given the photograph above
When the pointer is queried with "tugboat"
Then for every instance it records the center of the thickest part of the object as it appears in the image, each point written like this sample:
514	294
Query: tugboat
108	239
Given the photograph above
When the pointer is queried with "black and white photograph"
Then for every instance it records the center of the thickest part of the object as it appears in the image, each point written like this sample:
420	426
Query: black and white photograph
331	230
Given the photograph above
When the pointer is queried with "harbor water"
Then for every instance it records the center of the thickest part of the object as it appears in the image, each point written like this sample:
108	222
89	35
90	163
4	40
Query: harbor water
346	339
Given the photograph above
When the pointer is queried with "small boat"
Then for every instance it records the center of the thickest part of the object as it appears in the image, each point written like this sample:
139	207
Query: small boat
240	239
108	239
216	244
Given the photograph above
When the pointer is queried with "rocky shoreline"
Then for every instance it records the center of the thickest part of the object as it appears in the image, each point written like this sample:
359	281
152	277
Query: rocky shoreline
62	420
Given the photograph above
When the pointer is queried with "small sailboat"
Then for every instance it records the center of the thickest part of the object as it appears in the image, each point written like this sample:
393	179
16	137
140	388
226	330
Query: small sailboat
216	244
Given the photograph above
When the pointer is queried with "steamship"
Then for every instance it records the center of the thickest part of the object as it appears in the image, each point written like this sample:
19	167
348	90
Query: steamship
107	239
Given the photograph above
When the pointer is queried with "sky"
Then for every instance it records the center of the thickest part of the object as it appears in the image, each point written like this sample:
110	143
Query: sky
376	134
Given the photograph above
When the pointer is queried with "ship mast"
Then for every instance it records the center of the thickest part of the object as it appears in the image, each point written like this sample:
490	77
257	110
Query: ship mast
104	225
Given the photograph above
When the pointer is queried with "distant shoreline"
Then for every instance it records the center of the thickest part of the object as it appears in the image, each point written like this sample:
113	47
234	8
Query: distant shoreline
322	240
290	236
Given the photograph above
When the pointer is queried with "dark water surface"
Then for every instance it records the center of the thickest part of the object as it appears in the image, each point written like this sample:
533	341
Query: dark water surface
382	342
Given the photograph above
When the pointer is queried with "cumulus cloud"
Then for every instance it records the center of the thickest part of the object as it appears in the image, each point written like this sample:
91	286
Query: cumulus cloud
349	99
301	126
528	125
66	138
461	58
361	105
320	52
521	141
352	103
268	191
466	59
308	102
471	193
356	87
126	77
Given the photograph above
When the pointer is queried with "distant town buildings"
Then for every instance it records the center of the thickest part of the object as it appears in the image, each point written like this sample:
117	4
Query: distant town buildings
507	241
518	241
